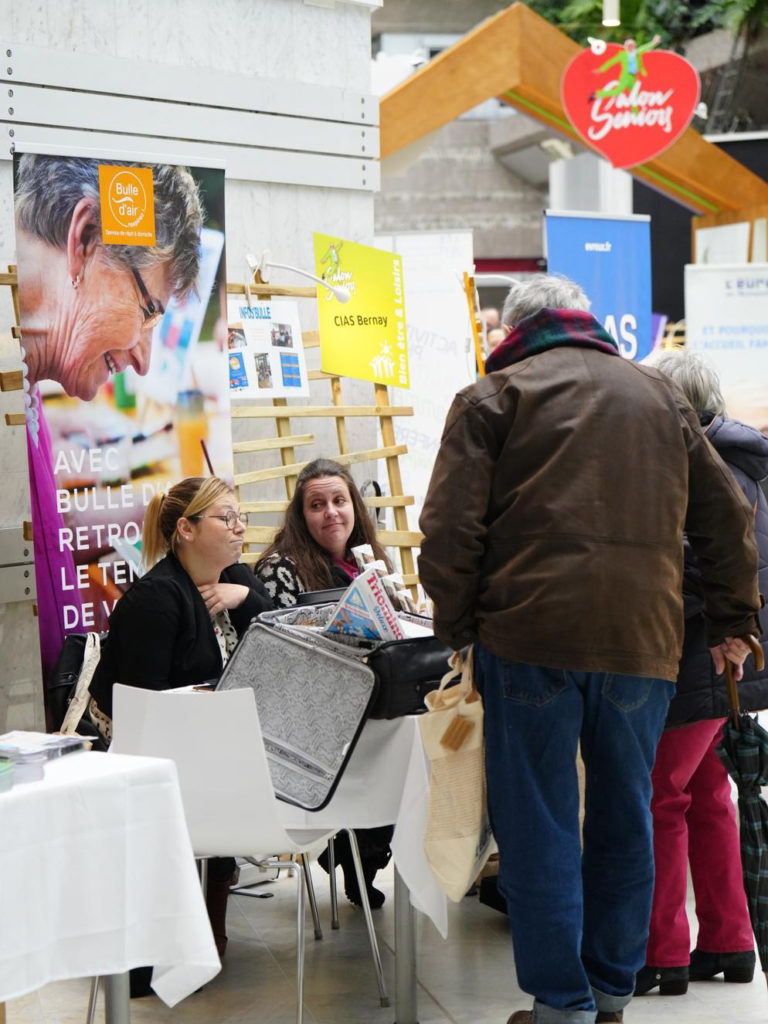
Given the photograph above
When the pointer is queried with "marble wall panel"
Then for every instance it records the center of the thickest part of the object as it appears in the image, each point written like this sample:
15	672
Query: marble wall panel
280	39
21	705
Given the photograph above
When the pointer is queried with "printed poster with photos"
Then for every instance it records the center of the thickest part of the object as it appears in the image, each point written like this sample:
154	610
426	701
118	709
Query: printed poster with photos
265	351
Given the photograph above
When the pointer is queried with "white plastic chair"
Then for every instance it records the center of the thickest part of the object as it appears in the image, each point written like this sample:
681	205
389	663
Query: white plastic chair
229	802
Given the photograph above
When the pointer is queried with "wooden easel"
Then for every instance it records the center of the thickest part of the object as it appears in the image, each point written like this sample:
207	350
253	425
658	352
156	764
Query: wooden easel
12	380
286	442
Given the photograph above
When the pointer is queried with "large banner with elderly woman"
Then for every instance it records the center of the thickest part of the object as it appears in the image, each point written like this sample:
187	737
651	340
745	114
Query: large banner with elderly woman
121	296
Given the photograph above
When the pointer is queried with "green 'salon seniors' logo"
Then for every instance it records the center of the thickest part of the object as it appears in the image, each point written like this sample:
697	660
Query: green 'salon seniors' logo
629	102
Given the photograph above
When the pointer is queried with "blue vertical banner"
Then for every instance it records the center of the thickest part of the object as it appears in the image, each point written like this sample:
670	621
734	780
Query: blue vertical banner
610	257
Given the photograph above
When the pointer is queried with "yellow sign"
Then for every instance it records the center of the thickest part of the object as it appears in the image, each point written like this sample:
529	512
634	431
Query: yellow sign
127	205
364	337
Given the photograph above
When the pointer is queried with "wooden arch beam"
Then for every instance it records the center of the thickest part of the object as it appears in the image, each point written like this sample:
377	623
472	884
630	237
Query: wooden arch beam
519	58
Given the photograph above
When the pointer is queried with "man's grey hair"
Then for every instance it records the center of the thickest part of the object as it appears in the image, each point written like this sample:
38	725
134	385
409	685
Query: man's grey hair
48	188
531	294
694	376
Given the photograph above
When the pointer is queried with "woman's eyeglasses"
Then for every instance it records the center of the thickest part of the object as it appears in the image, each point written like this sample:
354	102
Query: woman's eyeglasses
231	518
152	309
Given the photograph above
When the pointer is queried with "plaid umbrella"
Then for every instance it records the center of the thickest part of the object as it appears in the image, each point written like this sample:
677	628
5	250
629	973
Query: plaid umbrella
744	752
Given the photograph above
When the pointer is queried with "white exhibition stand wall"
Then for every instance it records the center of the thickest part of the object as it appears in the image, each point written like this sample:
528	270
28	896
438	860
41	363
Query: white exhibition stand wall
277	91
440	356
726	320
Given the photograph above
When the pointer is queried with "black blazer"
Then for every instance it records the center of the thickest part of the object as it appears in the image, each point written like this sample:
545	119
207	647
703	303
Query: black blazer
161	635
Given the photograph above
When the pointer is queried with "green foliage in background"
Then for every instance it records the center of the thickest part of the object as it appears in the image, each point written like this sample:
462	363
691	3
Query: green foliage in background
674	21
738	15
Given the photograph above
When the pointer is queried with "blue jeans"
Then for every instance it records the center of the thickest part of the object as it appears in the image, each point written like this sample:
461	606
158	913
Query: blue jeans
579	921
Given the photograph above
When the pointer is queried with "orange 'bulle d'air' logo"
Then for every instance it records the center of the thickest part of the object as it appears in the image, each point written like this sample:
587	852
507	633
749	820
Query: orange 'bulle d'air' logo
127	205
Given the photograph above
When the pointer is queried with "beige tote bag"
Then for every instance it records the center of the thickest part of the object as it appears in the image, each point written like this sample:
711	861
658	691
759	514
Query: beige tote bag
458	838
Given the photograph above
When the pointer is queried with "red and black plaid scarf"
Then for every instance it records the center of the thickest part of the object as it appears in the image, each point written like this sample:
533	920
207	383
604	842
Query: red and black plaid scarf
550	328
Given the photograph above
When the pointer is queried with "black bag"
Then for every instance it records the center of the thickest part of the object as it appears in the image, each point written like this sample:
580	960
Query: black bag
63	681
406	670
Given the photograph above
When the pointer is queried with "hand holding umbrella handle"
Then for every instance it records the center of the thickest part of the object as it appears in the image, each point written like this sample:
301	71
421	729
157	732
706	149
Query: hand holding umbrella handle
757	651
731	684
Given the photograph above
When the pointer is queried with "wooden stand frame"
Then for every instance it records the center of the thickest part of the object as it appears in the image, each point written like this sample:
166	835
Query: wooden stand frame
287	442
13	380
518	57
747	214
476	322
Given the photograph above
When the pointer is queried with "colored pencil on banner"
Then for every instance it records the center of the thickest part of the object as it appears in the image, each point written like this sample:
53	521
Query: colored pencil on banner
207	457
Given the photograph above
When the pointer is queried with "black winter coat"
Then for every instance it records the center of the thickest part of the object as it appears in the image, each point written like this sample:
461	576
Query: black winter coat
700	693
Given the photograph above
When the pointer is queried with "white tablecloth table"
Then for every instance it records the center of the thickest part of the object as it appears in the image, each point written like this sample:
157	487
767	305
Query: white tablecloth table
387	782
97	876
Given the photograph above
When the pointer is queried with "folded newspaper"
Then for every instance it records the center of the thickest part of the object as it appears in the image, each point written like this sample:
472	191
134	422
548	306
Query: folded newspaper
365	610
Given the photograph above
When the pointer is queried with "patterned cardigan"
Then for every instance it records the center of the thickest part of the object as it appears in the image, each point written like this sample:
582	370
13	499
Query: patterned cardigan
281	579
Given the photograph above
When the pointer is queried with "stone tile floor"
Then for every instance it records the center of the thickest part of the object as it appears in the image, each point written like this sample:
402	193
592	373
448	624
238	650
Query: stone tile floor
466	979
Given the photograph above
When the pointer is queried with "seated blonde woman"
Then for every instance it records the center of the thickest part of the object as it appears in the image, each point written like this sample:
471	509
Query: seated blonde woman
180	622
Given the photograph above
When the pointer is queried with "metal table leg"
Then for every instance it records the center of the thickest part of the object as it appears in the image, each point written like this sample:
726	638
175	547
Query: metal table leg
311	895
332	875
117	999
406	1009
366	908
92	997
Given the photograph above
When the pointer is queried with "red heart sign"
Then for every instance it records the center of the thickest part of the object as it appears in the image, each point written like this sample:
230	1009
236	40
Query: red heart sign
629	102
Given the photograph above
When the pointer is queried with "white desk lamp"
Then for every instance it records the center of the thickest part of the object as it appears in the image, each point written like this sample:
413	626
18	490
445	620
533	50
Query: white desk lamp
265	264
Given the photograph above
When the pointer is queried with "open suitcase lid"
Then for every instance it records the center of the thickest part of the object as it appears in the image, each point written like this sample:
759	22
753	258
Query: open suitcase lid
312	705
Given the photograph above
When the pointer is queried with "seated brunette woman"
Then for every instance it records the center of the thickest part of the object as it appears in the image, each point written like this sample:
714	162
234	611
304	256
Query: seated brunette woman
327	517
179	623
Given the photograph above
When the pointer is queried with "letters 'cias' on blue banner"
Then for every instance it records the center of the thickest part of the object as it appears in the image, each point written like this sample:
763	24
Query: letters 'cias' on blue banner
611	259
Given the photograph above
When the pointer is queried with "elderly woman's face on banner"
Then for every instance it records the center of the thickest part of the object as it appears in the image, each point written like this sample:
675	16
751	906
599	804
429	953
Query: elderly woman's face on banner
111	324
88	308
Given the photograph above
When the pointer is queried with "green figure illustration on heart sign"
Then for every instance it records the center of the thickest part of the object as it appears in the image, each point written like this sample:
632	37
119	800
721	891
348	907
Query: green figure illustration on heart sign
631	67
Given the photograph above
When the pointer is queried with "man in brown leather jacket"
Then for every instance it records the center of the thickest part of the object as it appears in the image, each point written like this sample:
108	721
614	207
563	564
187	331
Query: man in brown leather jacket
553	542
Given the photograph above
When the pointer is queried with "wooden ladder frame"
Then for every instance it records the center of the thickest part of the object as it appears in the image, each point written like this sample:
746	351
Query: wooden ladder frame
286	442
13	380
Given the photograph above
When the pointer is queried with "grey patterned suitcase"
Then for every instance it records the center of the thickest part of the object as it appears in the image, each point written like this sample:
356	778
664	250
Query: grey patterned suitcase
312	704
405	670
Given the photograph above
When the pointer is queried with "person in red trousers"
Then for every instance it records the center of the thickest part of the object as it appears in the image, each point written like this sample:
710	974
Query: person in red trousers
694	819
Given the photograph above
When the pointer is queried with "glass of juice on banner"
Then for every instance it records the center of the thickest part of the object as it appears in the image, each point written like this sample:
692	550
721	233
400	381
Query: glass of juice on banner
191	428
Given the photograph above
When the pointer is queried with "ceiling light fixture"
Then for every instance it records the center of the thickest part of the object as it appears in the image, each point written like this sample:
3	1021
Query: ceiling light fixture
611	15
